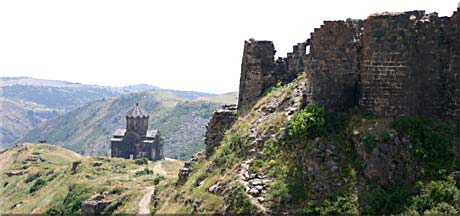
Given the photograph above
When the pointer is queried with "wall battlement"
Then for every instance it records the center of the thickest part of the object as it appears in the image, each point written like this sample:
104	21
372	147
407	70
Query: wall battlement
390	63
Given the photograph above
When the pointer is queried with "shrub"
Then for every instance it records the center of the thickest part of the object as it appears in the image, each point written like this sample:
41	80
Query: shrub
307	122
279	190
312	209
256	165
145	171
369	142
239	203
435	193
341	205
432	142
442	209
385	137
117	190
71	204
142	160
157	180
390	200
37	185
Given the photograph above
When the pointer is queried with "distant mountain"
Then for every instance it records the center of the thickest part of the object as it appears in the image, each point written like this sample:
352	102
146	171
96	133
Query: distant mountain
87	129
65	95
227	98
26	102
19	116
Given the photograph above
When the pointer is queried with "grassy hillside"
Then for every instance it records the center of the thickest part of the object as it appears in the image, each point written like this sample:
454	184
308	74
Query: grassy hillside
286	157
37	178
19	116
88	129
25	102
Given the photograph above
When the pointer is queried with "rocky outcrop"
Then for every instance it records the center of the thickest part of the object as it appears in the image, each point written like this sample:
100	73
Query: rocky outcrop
95	205
220	122
75	164
185	171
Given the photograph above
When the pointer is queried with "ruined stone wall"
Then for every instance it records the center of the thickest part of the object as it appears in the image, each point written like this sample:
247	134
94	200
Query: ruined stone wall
256	72
390	64
221	121
259	70
334	63
453	75
386	76
405	61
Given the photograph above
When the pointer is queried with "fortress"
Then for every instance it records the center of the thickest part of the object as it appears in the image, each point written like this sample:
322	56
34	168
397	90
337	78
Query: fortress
391	64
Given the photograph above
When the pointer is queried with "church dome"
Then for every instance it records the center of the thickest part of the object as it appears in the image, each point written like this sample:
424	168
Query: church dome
137	112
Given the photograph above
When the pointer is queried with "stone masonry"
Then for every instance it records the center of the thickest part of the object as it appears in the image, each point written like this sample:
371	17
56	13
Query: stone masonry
137	140
221	121
391	64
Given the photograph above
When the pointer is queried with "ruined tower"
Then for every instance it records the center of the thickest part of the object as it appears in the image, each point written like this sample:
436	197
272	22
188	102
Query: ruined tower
137	140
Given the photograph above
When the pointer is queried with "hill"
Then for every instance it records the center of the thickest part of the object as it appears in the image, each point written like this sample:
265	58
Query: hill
26	101
19	116
284	157
87	129
39	178
227	98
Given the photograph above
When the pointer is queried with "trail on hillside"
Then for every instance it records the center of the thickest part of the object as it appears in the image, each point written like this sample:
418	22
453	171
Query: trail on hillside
158	169
145	201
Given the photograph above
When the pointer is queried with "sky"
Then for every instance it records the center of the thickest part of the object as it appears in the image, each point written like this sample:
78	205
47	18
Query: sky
184	45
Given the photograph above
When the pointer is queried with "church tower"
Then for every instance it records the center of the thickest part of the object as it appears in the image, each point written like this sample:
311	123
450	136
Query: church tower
137	120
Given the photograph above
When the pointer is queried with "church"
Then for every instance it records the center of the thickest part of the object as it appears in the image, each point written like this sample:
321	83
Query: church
137	140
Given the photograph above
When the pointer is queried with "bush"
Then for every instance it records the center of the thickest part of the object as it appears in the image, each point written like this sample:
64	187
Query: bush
71	204
432	141
390	200
157	180
385	137
442	209
369	142
142	160
434	194
307	122
341	205
312	209
37	185
280	190
145	171
238	203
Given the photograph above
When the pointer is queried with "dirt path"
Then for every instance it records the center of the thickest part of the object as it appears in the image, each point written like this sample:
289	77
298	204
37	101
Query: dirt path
145	201
158	169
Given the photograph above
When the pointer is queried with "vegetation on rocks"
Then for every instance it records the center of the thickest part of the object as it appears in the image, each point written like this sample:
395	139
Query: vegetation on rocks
322	162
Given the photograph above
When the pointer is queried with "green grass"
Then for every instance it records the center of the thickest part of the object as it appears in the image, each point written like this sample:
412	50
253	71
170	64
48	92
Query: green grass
57	191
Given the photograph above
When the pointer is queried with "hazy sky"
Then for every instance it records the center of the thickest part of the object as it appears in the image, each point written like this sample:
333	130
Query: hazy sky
185	45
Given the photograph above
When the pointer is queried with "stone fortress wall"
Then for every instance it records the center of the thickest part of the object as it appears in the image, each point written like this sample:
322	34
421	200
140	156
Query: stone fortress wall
391	64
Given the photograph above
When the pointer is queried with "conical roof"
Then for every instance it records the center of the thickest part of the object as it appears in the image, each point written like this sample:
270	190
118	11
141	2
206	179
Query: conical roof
137	112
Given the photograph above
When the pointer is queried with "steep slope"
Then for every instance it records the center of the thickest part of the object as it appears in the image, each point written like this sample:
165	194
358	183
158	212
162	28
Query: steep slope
88	129
289	156
41	178
19	116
